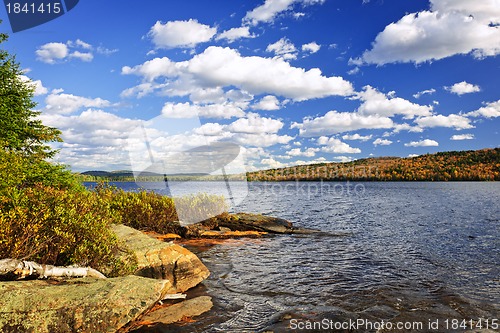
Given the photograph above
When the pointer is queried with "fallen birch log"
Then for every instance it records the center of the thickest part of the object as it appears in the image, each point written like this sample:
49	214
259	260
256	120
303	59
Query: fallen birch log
13	269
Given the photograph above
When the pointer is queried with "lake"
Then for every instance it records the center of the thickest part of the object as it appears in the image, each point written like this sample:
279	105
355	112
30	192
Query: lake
408	252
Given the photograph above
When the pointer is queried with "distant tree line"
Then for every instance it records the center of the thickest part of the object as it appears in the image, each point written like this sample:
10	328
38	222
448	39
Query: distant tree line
475	165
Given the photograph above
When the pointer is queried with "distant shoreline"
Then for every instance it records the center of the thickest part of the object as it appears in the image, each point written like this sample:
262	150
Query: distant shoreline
473	165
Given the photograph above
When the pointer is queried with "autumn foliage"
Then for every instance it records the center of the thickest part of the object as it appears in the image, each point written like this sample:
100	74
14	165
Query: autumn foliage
478	165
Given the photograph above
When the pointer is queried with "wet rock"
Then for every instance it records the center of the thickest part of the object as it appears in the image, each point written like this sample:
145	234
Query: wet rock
161	260
177	312
77	305
223	225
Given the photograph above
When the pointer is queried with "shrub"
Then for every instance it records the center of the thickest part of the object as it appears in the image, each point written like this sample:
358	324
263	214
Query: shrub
59	227
150	211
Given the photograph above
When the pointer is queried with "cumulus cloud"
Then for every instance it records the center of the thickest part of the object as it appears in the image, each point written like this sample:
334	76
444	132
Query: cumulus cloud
267	103
188	110
454	121
312	47
261	140
284	49
83	56
152	69
94	139
334	145
309	152
51	52
58	102
459	137
449	28
268	11
490	110
234	34
382	142
422	143
463	88
255	124
356	136
225	67
339	122
37	84
184	34
377	103
272	163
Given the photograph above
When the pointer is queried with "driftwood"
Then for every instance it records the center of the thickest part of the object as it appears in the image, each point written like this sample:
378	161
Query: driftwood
13	269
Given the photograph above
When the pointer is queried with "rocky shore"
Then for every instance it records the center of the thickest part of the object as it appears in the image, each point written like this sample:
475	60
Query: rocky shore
165	270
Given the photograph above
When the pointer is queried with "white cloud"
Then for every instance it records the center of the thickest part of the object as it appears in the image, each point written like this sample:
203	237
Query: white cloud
261	140
267	11
334	145
382	142
234	34
58	102
459	137
377	103
185	34
455	121
83	56
39	88
51	52
339	122
463	88
153	69
309	152
356	136
210	129
422	143
413	155
424	92
187	110
450	28
283	48
490	110
267	103
312	47
271	8
225	67
92	140
257	75
272	163
254	124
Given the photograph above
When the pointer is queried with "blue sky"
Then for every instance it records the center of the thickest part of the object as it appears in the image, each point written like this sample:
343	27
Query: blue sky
290	81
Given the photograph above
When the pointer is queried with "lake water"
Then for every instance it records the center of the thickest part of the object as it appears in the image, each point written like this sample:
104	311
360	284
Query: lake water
408	253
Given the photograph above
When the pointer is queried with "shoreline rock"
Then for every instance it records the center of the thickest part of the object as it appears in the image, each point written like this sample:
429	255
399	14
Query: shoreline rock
163	260
242	225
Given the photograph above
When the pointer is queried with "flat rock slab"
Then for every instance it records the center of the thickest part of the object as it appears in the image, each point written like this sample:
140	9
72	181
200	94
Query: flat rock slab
257	222
177	312
77	305
163	260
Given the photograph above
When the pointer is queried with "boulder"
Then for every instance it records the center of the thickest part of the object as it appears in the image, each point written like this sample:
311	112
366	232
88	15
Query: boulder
163	260
76	305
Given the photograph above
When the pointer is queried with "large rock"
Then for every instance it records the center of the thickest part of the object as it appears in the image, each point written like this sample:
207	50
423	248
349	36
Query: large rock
161	260
78	305
245	222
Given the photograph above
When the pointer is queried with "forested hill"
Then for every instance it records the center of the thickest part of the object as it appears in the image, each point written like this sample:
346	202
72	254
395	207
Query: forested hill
446	166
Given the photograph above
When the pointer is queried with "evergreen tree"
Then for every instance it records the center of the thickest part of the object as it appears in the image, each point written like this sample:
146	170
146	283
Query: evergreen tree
20	129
